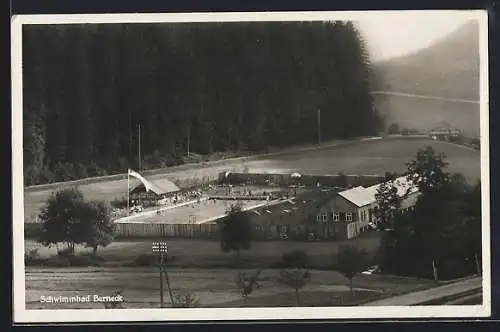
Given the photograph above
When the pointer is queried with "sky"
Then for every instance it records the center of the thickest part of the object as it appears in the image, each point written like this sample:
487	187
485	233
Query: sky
400	34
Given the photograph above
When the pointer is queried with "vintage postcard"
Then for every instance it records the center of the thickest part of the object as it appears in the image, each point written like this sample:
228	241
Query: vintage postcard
250	166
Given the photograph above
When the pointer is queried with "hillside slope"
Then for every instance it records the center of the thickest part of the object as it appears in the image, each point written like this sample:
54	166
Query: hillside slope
449	68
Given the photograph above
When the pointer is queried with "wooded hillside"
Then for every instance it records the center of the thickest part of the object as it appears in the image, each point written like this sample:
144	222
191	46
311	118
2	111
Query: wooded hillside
214	86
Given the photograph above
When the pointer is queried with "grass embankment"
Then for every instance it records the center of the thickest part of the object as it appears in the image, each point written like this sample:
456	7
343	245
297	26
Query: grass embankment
213	287
195	253
201	268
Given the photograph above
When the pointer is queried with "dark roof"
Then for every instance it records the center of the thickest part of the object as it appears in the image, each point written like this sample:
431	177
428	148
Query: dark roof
294	211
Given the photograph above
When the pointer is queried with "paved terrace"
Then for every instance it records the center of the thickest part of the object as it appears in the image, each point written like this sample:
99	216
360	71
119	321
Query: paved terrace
192	212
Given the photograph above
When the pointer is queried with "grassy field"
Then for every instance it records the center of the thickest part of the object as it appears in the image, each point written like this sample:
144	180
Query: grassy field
214	288
371	157
201	268
207	253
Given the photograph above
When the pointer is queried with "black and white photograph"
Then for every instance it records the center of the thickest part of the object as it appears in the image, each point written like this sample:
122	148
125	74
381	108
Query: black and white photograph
223	166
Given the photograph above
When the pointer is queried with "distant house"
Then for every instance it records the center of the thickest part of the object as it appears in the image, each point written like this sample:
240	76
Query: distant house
355	208
444	132
152	191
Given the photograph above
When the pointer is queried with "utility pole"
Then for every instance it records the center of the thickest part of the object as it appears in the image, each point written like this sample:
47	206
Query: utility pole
319	126
161	249
139	151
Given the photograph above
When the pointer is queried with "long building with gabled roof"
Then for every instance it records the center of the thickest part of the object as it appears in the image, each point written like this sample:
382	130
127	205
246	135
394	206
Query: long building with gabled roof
357	206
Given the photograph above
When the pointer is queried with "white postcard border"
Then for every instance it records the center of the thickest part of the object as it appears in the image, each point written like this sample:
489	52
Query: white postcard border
22	315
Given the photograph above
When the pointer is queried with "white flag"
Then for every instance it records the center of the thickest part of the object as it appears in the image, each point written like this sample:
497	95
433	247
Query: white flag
140	178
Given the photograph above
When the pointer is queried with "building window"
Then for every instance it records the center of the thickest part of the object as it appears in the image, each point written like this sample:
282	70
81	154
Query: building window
348	216
318	218
323	217
336	217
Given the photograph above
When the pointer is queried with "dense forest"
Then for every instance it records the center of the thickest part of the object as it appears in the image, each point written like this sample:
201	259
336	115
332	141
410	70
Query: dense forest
198	87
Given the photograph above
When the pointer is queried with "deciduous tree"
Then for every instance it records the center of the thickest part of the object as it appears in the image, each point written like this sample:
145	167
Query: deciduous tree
68	218
350	261
235	230
295	279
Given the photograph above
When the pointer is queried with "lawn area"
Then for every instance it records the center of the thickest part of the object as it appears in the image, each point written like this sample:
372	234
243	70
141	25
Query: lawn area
214	288
201	268
207	253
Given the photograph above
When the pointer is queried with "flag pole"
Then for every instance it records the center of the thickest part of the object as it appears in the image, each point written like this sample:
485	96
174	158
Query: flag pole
128	192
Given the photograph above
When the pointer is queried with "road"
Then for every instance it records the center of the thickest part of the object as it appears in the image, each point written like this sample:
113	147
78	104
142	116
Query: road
410	95
430	294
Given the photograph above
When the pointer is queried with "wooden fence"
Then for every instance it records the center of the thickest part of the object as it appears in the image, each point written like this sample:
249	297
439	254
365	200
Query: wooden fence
340	231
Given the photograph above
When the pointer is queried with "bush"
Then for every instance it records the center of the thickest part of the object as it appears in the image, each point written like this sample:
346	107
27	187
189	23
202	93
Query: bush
119	203
65	252
187	300
64	171
31	258
146	260
85	260
95	170
393	129
475	141
31	176
57	261
46	176
32	254
32	230
34	262
80	171
296	259
457	139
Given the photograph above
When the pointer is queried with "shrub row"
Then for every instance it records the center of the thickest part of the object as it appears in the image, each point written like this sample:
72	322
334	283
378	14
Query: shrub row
67	171
62	259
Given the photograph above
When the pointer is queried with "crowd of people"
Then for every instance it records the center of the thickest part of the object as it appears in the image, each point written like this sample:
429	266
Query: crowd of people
212	193
183	197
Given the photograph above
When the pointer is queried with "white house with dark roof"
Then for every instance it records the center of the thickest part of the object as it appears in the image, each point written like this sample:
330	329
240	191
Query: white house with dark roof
356	206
